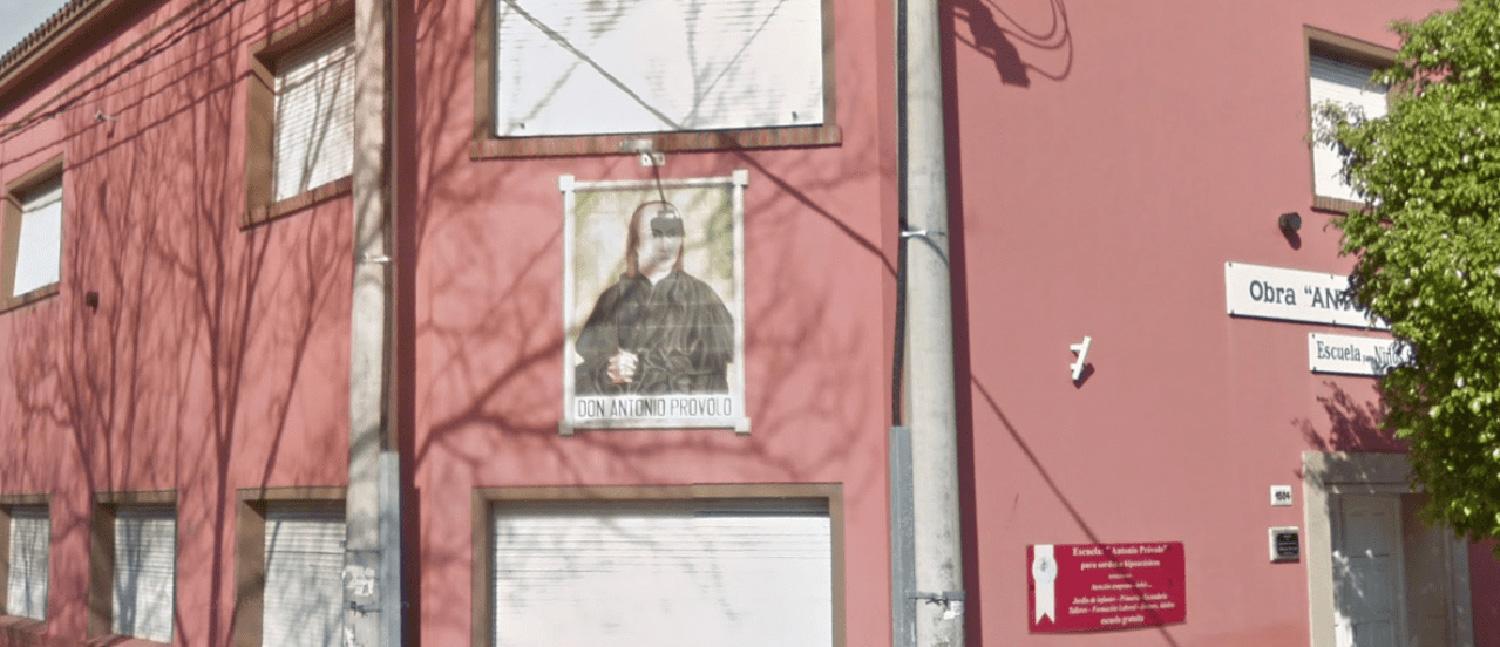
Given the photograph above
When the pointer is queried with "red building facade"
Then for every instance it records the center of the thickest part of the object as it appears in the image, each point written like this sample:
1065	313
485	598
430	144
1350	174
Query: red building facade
192	353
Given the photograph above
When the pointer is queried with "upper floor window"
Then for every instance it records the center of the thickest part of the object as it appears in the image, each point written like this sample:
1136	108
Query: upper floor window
31	263
315	114
299	115
1340	71
750	72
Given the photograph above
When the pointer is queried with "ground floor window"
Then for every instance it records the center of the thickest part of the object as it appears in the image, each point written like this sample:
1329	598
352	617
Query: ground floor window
145	568
304	551
289	566
28	538
666	572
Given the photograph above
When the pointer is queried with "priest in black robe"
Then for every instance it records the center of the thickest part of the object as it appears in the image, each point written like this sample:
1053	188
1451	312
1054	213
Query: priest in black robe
658	330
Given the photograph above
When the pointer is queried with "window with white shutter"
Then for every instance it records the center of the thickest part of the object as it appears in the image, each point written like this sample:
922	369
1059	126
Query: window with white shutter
31	233
1347	84
314	114
26	566
1340	72
39	243
688	573
304	565
145	554
693	74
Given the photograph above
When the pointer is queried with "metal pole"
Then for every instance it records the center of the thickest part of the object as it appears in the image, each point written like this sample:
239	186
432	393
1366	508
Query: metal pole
372	567
903	535
929	340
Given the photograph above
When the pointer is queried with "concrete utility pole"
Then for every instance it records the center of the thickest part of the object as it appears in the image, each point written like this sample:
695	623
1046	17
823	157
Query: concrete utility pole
372	558
929	341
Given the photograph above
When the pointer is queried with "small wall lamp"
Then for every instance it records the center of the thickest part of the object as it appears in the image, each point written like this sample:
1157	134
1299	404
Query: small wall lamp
1289	222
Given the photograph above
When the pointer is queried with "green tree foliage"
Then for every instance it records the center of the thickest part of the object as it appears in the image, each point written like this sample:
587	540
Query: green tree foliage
1428	249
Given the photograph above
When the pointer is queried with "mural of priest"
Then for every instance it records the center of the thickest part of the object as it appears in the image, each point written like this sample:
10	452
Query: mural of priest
658	330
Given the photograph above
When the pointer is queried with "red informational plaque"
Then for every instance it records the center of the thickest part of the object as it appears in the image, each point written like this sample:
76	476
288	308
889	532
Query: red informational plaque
1104	587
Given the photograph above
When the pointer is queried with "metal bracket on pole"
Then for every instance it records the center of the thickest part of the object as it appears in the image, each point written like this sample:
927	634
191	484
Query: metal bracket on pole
943	597
923	233
951	601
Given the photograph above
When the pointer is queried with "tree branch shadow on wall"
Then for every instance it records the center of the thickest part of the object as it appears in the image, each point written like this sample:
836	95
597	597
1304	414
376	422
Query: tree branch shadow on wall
186	369
1354	425
969	499
999	42
800	381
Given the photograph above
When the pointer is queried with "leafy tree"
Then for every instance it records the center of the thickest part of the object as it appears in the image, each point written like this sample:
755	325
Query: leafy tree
1428	249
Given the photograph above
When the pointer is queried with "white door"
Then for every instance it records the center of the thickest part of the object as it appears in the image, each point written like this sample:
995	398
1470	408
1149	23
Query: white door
1367	572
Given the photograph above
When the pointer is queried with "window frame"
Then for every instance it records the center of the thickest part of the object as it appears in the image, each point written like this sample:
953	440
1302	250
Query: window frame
13	626
1345	49
261	205
250	552
486	144
486	499
10	233
102	557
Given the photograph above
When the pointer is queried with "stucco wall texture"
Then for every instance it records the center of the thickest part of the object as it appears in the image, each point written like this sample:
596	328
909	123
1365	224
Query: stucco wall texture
1105	160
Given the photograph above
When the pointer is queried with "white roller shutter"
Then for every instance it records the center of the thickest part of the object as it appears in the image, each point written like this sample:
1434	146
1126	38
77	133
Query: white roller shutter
145	571
304	566
567	67
39	248
1350	85
665	574
315	114
26	583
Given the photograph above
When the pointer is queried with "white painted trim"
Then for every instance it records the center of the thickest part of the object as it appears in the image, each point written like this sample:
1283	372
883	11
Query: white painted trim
737	181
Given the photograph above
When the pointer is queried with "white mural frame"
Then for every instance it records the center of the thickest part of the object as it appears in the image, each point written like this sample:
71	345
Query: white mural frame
583	412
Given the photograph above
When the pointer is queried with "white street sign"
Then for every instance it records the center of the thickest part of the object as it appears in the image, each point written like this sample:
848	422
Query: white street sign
1348	355
1292	295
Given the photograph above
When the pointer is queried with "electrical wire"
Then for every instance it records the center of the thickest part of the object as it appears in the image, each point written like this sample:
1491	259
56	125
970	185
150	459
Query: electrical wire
69	97
898	354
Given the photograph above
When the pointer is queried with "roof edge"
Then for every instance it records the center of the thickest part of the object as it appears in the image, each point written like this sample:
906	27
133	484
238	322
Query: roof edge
49	40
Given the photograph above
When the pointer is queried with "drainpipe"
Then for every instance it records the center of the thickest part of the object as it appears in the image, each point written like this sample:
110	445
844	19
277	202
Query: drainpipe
934	598
372	558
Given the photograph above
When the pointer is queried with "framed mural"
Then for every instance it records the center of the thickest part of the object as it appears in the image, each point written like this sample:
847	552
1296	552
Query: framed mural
653	303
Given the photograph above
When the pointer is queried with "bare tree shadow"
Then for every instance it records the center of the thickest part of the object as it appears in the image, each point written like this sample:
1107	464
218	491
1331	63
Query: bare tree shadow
971	494
1354	424
190	370
489	338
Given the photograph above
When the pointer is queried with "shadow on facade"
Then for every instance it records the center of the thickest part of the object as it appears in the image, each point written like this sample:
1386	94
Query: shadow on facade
186	375
492	340
969	498
995	34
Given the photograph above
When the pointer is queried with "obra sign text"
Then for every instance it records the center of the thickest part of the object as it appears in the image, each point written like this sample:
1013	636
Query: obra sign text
1314	297
1293	295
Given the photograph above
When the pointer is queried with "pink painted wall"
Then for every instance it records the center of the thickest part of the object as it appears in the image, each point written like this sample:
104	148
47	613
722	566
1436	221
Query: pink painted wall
488	320
217	358
1106	160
